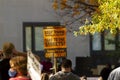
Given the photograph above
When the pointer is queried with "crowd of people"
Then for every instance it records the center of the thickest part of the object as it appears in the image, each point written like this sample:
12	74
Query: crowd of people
7	53
13	66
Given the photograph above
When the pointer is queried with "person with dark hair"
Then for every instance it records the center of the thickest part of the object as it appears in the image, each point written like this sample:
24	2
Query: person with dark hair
65	73
105	72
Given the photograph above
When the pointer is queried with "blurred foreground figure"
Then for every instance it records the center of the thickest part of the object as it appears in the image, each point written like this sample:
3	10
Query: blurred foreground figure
115	74
65	73
19	64
105	72
7	52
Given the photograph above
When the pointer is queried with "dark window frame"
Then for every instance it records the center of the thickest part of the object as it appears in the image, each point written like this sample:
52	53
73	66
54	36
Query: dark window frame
104	52
33	25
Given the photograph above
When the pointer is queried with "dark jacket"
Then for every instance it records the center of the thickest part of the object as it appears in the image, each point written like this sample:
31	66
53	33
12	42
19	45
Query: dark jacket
4	67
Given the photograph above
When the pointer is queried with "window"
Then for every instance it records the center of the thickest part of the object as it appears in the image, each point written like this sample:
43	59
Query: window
28	38
38	38
96	42
104	43
33	35
108	38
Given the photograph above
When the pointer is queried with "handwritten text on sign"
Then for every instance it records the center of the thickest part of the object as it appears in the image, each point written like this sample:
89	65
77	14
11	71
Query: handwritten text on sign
55	41
55	38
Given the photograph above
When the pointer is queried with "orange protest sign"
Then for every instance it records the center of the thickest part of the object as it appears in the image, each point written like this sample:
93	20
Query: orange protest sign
55	41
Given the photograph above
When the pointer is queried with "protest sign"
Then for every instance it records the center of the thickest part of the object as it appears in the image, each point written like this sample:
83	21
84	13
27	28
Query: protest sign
55	41
33	66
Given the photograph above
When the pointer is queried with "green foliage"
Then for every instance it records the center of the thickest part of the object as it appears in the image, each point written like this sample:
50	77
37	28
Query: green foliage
107	18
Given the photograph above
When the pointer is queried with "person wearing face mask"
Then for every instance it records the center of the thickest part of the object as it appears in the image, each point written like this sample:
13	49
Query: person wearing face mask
7	52
18	70
12	72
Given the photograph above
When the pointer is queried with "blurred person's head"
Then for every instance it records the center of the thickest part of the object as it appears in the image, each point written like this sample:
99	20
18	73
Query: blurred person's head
8	49
19	63
66	65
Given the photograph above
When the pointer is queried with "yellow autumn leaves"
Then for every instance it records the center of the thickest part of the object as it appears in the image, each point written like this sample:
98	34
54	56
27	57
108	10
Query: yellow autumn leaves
62	4
107	19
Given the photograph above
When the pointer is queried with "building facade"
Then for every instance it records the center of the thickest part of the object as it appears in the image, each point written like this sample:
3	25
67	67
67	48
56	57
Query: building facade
14	13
